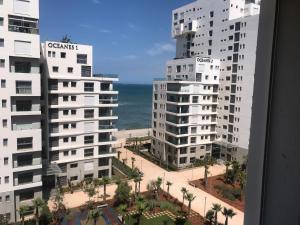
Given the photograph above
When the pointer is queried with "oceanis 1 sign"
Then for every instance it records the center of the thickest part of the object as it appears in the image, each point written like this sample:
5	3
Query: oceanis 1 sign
65	46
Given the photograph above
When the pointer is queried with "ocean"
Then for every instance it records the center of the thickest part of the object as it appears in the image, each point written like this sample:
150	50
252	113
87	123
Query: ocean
135	106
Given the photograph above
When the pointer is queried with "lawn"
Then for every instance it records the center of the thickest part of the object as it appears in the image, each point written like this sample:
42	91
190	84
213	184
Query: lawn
161	220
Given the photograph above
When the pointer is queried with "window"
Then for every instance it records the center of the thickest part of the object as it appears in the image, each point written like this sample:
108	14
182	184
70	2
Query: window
73	178
193	140
103	162
23	24
88	152
65	112
73	112
22	67
2	63
73	84
193	150
211	13
81	58
1	42
4	103
88	139
211	23
73	125
26	195
88	113
4	123
65	98
86	71
193	130
24	143
66	153
70	70
7	198
209	51
5	161
182	160
1	21
89	87
5	142
49	53
73	98
73	152
75	165
23	87
63	55
6	179
55	69
66	139
66	126
3	83
73	139
195	99
53	54
65	84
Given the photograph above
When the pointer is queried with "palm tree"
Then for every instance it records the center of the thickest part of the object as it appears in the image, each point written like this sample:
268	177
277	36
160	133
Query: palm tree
190	197
132	162
23	210
242	177
105	181
94	215
37	204
168	185
227	164
183	191
139	180
123	211
210	216
158	183
216	208
228	213
135	180
206	172
236	168
124	161
142	207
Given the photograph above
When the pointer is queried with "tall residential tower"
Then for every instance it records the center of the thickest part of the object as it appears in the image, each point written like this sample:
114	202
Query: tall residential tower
20	113
79	113
223	31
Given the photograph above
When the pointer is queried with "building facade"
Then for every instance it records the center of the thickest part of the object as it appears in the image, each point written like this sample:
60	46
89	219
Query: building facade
225	31
20	111
79	113
185	111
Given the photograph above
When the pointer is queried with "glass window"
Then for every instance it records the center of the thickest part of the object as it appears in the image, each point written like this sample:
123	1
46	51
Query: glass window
81	58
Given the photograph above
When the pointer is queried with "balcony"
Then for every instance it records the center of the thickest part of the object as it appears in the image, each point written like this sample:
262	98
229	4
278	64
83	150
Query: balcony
23	25
23	90
107	127
108	100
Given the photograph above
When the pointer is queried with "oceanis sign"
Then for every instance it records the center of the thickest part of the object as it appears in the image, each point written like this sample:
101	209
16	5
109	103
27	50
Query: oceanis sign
207	60
65	46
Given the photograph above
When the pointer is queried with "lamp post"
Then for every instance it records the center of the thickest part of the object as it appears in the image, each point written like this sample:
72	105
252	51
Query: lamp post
204	206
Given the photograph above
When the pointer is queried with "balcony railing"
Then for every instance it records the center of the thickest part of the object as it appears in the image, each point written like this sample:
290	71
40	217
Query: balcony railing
21	29
108	101
23	90
104	127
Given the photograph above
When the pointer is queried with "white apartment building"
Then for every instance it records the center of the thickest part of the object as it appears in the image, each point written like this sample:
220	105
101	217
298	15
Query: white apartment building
225	30
185	111
79	113
20	112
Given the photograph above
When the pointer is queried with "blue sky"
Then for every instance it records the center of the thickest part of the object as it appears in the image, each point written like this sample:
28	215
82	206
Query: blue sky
131	38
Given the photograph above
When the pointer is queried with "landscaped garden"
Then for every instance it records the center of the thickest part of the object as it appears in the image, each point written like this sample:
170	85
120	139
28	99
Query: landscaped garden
228	187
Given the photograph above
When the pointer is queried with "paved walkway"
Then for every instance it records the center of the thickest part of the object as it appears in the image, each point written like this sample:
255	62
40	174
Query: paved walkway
203	201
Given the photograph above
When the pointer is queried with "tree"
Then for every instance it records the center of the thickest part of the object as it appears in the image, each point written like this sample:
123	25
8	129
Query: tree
105	181
139	180
210	216
183	191
90	190
132	162
23	210
122	192
216	208
151	188
66	39
158	184
135	180
236	168
206	172
142	207
3	220
59	209
242	178
123	211
94	215
45	215
124	161
227	164
190	197
168	185
228	213
38	203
